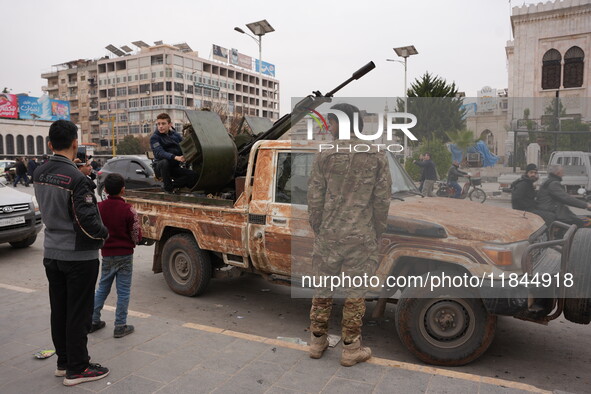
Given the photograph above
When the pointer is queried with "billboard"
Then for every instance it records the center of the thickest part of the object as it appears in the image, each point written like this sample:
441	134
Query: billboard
268	68
220	53
8	105
43	108
240	60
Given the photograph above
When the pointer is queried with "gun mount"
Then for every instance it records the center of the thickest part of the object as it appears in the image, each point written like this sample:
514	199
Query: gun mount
212	153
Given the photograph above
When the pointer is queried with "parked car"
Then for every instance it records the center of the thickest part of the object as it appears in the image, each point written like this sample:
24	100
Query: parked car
136	170
20	218
7	169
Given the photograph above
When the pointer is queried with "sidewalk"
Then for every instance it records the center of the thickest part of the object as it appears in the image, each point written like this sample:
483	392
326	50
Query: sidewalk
167	356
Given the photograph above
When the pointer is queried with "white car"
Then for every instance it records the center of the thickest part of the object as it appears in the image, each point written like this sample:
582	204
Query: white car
20	218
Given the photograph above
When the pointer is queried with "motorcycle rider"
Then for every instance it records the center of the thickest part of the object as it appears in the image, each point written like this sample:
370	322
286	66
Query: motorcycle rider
453	174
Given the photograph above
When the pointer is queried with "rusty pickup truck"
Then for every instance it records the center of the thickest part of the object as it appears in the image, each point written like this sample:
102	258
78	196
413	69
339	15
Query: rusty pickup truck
264	229
450	266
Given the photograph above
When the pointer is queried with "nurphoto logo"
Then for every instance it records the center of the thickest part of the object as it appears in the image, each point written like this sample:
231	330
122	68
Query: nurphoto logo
345	130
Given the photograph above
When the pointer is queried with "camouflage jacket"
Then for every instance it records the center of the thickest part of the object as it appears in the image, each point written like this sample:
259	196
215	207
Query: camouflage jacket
349	193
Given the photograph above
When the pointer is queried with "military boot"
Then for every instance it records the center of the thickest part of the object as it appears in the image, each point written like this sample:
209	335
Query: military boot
317	345
354	353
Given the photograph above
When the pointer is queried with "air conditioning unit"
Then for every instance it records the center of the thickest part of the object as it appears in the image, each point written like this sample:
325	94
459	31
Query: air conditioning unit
148	92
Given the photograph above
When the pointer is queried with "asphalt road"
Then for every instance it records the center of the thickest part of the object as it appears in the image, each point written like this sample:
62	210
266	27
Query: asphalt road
553	357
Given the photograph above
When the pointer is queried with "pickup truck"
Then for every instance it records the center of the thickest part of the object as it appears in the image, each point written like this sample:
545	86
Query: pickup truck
262	227
577	171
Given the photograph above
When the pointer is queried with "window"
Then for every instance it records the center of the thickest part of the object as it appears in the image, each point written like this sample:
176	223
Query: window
291	180
134	117
168	99
40	146
574	62
145	101
133	90
20	145
122	91
134	129
178	100
134	103
179	87
178	75
158	87
146	128
10	144
551	69
122	104
122	117
157	100
145	88
103	106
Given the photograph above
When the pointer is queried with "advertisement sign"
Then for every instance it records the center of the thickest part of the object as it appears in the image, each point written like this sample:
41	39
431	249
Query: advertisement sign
43	108
268	68
8	105
220	53
240	60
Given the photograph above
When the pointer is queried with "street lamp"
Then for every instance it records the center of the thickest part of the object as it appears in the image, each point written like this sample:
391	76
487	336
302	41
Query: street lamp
259	29
404	52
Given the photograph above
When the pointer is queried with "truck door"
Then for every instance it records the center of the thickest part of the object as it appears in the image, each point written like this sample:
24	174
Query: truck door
283	243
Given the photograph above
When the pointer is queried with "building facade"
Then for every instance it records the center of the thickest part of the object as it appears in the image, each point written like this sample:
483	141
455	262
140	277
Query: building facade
126	93
549	58
23	138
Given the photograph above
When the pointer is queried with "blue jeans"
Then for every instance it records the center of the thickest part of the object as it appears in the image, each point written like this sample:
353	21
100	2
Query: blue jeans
120	269
457	188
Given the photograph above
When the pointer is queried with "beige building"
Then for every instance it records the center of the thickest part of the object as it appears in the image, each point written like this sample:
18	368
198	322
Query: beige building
487	117
548	58
23	138
130	90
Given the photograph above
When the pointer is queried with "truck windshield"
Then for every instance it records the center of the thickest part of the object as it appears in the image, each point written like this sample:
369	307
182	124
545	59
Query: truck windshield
401	181
293	170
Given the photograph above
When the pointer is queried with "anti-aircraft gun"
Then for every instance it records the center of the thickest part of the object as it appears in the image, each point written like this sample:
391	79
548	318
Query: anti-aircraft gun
212	153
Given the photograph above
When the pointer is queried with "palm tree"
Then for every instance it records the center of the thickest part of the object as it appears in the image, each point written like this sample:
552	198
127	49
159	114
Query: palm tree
463	139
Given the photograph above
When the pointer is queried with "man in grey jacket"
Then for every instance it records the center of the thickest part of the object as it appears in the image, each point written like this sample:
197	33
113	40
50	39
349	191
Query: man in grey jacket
74	233
552	197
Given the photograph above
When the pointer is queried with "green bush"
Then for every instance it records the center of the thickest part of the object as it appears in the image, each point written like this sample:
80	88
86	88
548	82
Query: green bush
439	154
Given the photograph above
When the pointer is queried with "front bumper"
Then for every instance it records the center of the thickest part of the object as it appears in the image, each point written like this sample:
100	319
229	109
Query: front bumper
21	231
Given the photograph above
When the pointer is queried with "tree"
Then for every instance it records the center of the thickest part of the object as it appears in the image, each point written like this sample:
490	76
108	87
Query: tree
129	146
433	101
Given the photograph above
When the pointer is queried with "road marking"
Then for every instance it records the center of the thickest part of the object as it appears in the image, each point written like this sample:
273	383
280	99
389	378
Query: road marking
129	312
376	360
16	288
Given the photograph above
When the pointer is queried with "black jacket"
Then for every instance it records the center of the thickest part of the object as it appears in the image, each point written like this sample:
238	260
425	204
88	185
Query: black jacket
454	173
74	230
428	167
553	197
166	146
523	194
21	168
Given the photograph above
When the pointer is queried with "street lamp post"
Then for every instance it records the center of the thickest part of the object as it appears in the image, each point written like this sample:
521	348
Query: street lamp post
405	52
259	29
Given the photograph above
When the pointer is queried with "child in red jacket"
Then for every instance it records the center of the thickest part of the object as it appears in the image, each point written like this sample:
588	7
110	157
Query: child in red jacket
124	233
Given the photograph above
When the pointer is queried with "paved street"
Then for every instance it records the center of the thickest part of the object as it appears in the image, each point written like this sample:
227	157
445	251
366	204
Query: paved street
226	340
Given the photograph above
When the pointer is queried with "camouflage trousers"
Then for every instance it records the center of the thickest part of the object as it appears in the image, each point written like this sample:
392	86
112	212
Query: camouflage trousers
340	258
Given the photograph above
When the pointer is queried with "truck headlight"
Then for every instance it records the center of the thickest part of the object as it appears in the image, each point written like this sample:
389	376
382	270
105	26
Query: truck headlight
505	255
35	204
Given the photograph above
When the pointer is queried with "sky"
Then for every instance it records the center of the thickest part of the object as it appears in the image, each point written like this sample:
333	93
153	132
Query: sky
316	44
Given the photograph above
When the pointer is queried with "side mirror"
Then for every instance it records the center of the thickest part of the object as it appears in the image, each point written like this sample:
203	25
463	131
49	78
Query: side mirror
142	172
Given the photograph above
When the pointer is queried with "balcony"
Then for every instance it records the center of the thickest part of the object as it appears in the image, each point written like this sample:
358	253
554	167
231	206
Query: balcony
52	87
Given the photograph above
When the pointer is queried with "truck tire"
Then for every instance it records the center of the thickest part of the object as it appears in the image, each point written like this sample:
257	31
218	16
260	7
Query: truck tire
25	242
477	195
577	303
446	326
186	268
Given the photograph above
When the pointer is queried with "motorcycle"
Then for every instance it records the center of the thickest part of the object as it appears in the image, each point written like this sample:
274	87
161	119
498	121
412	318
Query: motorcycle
471	190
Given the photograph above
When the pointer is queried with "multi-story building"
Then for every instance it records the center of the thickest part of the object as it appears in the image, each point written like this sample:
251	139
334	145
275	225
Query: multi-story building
130	90
76	82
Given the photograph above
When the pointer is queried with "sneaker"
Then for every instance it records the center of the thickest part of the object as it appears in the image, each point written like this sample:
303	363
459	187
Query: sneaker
60	372
121	331
97	326
93	372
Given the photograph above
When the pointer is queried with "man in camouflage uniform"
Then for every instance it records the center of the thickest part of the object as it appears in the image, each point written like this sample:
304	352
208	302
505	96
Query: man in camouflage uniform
348	199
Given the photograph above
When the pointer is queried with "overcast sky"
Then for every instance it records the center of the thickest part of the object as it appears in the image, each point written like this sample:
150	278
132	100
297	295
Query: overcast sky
316	44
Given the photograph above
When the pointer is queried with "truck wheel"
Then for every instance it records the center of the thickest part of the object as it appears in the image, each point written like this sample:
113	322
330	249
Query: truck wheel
577	305
186	268
446	326
477	195
25	242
